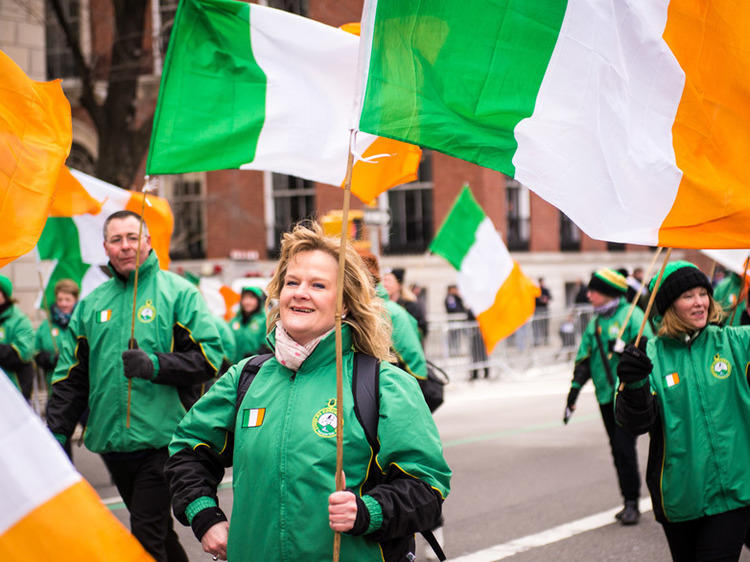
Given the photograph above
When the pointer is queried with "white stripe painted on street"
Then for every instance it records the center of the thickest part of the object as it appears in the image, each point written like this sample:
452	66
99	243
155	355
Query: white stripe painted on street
561	532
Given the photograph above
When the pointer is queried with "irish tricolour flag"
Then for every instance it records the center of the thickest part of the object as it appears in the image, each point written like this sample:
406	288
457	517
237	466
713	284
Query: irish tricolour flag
489	280
631	116
250	87
47	511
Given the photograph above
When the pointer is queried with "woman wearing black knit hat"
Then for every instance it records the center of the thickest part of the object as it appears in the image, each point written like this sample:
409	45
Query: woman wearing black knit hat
690	390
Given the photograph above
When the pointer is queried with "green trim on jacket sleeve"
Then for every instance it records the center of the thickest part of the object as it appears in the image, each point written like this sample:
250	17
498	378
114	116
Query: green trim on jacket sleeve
375	511
60	438
198	505
575	384
155	360
636	385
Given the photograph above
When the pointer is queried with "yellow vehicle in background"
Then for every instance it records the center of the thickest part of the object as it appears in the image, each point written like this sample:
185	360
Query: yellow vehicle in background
358	231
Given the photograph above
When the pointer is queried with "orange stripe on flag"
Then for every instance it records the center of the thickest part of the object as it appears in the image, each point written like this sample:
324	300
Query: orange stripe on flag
72	526
35	138
160	221
513	305
711	133
230	299
71	198
370	179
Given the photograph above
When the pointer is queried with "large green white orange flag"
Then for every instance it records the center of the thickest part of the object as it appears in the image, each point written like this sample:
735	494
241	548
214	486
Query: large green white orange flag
633	118
35	138
47	510
73	233
489	279
250	87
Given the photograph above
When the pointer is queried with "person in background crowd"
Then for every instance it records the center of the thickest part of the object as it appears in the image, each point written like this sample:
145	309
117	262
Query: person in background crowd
280	435
50	332
137	391
393	281
454	304
16	340
541	324
726	295
635	283
249	325
689	389
597	359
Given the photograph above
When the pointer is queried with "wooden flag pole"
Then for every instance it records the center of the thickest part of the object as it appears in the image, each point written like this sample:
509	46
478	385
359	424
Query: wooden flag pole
653	296
638	296
339	353
741	296
131	342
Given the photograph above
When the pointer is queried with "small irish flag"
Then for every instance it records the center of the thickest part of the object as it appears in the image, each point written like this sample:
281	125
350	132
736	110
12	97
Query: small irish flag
47	510
105	315
253	417
672	379
489	280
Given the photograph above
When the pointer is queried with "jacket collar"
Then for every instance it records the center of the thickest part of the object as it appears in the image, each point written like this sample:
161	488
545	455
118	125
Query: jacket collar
147	268
324	353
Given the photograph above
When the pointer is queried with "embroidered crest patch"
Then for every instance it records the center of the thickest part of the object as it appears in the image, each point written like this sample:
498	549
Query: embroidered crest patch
325	421
147	312
721	368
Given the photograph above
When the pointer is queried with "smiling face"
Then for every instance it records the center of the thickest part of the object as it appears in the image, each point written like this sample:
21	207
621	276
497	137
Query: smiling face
692	307
121	244
307	302
65	302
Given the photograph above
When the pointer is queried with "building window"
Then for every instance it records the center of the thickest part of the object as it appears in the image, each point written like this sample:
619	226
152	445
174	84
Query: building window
293	201
570	235
411	204
519	213
615	247
187	198
60	61
80	159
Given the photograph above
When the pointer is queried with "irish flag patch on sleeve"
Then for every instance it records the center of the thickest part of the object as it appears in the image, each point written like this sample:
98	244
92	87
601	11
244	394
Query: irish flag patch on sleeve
672	379
253	417
104	316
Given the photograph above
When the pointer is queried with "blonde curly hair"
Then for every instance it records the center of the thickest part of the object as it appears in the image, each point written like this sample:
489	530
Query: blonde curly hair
366	315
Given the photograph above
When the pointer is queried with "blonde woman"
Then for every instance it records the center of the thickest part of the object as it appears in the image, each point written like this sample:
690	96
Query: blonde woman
281	436
690	390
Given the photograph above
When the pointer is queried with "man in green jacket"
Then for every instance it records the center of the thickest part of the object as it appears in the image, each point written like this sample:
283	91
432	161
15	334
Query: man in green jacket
597	360
16	338
137	391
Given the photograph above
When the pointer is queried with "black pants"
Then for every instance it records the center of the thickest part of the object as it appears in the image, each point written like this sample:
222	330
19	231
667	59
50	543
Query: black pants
715	537
622	443
139	477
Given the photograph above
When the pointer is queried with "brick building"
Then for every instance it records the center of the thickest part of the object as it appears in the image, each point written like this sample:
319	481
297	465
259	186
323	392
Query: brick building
230	213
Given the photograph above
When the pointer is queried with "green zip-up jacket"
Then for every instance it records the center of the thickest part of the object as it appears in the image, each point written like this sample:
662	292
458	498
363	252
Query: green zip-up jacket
16	331
249	335
405	338
50	337
588	361
171	326
697	410
282	442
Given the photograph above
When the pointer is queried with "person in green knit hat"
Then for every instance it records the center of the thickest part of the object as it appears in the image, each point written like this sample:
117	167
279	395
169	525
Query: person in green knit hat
597	359
689	389
249	325
16	340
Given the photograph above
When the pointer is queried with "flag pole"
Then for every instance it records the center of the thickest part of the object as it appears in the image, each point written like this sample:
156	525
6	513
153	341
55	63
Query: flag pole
741	295
131	342
339	479
637	296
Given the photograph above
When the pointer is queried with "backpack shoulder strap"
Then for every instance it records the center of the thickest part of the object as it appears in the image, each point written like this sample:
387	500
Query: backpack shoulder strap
366	391
247	375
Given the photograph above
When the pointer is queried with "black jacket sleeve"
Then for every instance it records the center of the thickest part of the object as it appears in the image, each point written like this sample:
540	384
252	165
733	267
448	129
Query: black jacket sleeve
581	375
70	395
408	506
635	409
186	365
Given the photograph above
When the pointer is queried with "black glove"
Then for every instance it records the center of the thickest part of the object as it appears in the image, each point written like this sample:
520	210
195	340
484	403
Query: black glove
634	365
6	353
46	360
137	364
572	397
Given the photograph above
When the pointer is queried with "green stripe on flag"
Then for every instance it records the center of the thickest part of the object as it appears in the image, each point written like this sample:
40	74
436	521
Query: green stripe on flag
60	241
458	233
212	97
459	79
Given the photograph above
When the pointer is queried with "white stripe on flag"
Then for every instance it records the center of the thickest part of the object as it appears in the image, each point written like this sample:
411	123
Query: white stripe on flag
484	268
33	467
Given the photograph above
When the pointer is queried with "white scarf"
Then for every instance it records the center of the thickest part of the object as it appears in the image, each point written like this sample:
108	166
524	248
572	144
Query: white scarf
290	353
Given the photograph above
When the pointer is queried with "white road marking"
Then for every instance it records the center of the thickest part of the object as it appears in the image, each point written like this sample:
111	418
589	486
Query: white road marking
561	532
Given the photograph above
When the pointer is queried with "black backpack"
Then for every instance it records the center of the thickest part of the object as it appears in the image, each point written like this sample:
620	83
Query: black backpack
365	385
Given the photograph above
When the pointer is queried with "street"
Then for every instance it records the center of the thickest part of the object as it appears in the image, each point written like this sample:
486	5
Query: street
525	487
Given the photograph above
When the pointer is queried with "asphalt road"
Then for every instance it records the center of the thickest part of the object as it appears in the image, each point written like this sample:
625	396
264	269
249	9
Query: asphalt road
525	487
